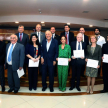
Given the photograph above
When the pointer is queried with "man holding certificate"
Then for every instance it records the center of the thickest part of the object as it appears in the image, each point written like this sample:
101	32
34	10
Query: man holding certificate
33	52
49	53
105	66
93	59
78	49
64	55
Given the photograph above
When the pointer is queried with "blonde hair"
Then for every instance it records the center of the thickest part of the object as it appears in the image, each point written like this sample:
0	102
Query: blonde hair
93	36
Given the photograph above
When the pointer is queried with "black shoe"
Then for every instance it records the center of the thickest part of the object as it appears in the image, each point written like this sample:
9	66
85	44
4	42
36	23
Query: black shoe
83	75
30	89
71	88
78	88
3	89
10	90
51	90
43	89
35	88
15	91
103	91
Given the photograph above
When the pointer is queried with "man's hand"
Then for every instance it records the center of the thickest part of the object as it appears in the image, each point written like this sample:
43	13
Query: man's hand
57	59
102	58
98	66
69	59
86	59
73	57
82	57
20	68
54	63
42	61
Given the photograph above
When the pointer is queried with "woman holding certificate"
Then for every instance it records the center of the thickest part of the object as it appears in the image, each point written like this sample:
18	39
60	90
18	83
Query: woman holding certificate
33	52
64	52
93	53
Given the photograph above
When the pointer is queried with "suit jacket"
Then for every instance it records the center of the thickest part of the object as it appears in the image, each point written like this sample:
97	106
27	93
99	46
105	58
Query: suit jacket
25	39
57	37
73	47
86	39
18	56
2	52
30	50
52	53
42	36
96	55
71	36
105	48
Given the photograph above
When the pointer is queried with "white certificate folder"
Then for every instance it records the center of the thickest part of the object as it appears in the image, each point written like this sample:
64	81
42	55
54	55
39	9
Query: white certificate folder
92	63
105	60
63	61
78	53
33	64
20	73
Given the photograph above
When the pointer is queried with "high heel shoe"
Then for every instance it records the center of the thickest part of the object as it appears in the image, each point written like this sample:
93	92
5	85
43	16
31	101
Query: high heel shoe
87	91
91	92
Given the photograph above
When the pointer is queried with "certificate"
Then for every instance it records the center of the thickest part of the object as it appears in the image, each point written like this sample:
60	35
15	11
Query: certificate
105	60
20	72
78	53
92	63
33	64
63	61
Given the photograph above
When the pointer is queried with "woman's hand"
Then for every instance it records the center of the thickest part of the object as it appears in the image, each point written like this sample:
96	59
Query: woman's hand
69	59
33	59
57	59
36	59
42	61
86	59
82	57
73	57
98	66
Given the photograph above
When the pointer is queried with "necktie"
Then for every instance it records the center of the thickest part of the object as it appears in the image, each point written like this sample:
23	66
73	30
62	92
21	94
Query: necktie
79	46
38	34
20	36
66	38
10	53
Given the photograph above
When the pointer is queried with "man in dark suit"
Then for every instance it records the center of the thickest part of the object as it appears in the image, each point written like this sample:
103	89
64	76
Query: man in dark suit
69	35
15	55
105	67
22	39
55	36
77	62
2	58
49	54
86	40
41	35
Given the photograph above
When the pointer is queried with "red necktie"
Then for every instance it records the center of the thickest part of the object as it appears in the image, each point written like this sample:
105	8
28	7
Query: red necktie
66	38
20	37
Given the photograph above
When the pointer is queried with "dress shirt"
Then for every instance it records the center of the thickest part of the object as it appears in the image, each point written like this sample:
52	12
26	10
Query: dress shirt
22	35
10	63
83	37
78	44
67	36
39	35
101	40
48	45
53	35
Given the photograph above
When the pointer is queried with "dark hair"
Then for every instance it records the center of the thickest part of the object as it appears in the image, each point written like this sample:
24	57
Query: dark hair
67	25
30	41
98	29
63	36
82	27
53	27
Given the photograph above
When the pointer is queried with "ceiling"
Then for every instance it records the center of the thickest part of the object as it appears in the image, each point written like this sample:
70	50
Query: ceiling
97	9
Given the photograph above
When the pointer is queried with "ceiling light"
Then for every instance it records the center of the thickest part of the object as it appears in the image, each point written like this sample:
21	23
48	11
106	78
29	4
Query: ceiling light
16	22
42	22
68	23
90	25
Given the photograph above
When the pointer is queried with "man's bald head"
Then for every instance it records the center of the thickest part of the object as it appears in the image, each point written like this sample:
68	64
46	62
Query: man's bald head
13	38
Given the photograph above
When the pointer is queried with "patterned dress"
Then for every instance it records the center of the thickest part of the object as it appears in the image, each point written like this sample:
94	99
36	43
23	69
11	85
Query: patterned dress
92	72
63	70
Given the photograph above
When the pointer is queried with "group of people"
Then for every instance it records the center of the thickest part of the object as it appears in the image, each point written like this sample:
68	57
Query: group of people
47	48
